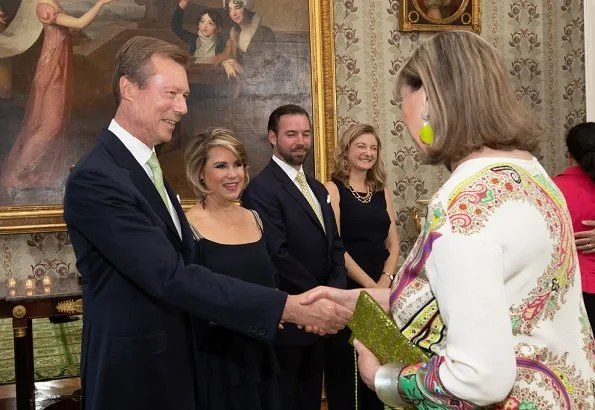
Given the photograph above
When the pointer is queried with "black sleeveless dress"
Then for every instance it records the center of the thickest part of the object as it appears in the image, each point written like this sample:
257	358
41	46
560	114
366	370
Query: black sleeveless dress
364	228
234	371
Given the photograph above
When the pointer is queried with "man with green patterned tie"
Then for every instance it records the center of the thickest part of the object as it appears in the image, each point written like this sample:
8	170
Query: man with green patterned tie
302	237
137	257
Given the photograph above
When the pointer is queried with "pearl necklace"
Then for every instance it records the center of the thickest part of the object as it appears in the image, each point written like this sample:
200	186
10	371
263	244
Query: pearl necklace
364	199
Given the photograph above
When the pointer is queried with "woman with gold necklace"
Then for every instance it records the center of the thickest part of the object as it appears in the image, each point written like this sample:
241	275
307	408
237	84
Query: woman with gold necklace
366	222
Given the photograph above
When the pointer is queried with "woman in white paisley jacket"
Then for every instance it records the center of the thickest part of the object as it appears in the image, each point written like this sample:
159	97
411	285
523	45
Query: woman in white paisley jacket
492	286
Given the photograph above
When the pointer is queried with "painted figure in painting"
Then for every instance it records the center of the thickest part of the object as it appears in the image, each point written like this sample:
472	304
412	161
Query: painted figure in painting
440	9
251	38
37	158
207	46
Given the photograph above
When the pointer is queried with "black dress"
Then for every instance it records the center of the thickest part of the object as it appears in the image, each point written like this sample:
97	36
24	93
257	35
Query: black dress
364	228
234	371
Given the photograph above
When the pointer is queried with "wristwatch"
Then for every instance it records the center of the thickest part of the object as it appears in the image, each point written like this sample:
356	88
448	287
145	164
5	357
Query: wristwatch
391	277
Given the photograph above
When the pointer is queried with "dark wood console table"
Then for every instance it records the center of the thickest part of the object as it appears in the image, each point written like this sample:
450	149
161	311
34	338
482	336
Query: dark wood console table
23	302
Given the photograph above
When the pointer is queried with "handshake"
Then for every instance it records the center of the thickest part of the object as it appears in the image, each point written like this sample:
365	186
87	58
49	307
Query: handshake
322	310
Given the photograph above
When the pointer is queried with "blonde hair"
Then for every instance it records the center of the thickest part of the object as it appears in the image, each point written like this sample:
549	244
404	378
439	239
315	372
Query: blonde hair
471	103
376	175
197	152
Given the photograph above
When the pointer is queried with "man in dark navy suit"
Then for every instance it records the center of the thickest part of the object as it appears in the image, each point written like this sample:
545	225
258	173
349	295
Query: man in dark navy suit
304	244
135	251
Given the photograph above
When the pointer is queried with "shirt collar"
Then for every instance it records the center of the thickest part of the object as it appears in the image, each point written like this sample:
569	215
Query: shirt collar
288	169
138	149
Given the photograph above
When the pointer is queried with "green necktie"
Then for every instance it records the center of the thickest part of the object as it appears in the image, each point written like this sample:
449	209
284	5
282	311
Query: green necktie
303	184
153	163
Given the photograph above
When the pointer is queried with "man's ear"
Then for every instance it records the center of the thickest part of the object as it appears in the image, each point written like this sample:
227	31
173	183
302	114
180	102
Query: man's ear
272	138
128	89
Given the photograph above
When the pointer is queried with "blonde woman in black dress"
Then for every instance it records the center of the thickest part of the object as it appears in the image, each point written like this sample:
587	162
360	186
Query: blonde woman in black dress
235	372
366	222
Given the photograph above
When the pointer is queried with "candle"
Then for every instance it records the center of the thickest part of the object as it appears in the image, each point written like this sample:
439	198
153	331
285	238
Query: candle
47	289
12	292
11	283
47	280
29	284
29	292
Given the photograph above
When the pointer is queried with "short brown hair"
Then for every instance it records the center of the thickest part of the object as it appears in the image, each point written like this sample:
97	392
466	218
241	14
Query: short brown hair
197	152
133	60
376	175
471	103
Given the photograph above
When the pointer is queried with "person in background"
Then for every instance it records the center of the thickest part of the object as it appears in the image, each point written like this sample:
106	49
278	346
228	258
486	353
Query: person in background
577	183
207	45
147	301
365	217
236	372
304	244
491	287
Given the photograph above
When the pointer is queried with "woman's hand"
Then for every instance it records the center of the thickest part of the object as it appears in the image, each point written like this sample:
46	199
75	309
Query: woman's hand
232	68
585	240
3	17
367	363
104	2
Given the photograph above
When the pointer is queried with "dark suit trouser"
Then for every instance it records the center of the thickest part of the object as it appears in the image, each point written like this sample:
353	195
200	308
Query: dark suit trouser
300	380
339	377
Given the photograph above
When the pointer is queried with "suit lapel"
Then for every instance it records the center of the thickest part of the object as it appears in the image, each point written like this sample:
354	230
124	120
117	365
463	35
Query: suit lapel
187	236
139	177
293	190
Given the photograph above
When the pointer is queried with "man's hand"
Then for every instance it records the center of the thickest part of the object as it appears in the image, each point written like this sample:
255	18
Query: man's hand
321	316
367	363
346	298
585	241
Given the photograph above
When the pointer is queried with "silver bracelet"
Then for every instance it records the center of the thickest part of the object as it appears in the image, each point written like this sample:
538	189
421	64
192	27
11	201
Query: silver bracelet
386	384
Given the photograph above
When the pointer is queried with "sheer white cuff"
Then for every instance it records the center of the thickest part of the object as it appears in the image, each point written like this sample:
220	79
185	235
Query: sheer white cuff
386	384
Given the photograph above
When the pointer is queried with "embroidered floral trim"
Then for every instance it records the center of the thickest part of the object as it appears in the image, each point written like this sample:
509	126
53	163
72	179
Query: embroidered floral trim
547	381
588	339
420	385
484	192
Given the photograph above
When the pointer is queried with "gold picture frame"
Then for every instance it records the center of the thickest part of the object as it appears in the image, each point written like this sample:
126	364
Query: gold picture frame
27	218
439	15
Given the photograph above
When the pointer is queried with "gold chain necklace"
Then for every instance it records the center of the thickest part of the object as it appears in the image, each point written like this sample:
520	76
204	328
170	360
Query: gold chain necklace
365	199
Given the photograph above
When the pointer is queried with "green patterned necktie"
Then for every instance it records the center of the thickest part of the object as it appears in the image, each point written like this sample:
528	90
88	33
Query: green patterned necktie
153	163
301	180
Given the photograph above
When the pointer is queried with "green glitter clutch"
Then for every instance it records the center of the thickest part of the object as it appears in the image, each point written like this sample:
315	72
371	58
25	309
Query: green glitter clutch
377	330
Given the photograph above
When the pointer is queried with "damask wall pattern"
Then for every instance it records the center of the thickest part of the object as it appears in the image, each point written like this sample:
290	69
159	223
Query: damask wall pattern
541	43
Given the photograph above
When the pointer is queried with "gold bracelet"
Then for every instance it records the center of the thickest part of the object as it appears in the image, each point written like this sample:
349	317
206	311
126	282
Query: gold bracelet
386	384
391	277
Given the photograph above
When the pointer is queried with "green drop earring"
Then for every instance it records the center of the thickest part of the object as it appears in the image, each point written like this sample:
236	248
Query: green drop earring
426	133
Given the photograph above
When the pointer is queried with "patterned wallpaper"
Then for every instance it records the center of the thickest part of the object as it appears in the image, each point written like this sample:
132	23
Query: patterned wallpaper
541	43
